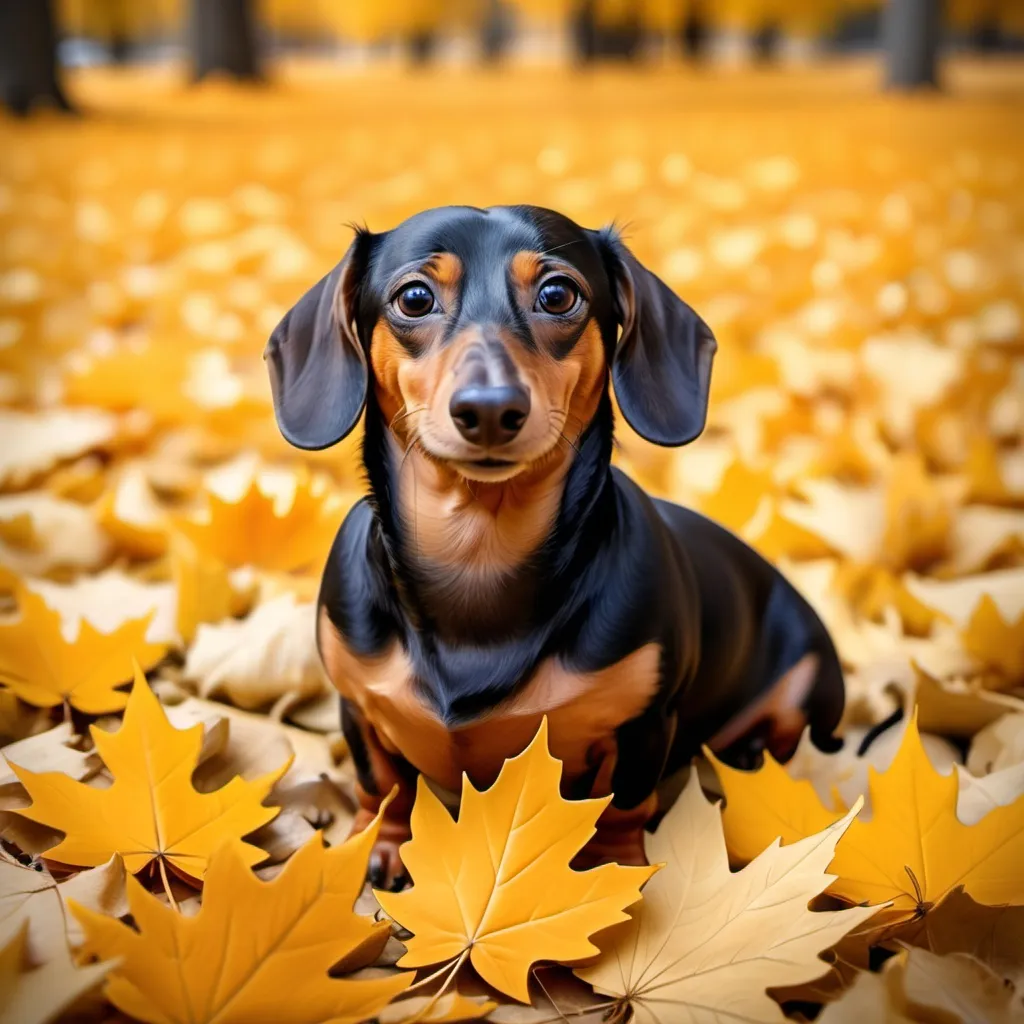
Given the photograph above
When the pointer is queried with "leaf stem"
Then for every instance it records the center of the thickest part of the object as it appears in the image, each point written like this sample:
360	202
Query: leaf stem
455	965
564	1014
430	977
167	884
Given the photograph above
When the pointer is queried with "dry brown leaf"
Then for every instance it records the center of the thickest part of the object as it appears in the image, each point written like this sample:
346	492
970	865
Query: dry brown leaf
50	751
982	534
954	707
40	994
959	985
29	896
709	941
959	599
980	795
64	535
993	935
874	998
267	656
35	442
998	745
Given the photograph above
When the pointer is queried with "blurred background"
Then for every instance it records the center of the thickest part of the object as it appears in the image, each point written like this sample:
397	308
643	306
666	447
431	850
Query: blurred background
835	185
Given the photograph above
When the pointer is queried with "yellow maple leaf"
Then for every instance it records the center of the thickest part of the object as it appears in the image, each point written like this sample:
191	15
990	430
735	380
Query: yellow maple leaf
706	942
996	643
768	804
495	886
255	951
152	810
44	669
253	531
205	590
914	851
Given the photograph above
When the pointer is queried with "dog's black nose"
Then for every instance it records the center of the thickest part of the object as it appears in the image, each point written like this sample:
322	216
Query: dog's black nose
490	416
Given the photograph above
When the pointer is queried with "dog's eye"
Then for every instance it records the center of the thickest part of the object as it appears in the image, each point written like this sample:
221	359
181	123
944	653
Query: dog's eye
415	300
558	296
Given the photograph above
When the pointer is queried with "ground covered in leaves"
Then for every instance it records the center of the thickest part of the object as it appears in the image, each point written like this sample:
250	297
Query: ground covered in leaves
172	849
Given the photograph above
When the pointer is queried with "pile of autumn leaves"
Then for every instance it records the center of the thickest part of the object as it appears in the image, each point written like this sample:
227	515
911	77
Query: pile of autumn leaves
177	850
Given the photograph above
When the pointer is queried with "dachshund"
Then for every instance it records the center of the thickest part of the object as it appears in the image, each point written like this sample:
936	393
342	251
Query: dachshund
501	569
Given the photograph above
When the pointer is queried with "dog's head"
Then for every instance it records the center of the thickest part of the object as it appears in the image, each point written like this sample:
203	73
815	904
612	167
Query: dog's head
488	336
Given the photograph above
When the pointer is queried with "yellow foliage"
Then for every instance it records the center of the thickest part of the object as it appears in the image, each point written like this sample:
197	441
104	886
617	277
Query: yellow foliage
212	967
496	885
913	852
152	810
42	668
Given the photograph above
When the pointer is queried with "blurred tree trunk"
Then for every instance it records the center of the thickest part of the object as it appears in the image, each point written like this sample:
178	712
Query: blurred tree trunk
224	39
765	43
28	56
496	30
910	37
694	34
422	46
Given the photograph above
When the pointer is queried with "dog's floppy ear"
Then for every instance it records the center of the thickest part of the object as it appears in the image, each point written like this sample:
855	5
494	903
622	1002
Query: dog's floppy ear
661	367
317	365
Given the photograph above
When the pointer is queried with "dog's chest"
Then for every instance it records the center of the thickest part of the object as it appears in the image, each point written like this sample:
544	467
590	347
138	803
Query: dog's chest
582	708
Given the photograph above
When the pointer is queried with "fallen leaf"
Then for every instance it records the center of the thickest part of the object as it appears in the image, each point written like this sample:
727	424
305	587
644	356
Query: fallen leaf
132	515
993	935
29	896
255	662
49	751
495	886
980	535
108	600
996	642
959	599
257	530
451	1007
999	744
35	442
960	985
955	707
206	968
913	852
152	809
706	943
877	998
40	995
981	794
43	668
64	535
205	589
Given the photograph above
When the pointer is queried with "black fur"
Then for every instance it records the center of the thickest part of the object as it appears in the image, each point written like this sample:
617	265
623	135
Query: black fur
619	569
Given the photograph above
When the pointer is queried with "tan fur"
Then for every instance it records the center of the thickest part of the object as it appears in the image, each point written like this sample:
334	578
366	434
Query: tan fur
582	709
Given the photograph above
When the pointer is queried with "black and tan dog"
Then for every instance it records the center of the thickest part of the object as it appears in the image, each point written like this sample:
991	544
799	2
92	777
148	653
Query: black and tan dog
500	569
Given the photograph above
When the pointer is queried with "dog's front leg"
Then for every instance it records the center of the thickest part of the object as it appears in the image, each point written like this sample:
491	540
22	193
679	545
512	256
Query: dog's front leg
628	764
377	773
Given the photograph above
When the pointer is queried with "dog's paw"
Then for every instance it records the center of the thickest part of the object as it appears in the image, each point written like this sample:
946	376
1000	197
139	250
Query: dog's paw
384	869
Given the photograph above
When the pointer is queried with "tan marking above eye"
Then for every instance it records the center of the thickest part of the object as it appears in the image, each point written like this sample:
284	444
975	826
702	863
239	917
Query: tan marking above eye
525	268
446	269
